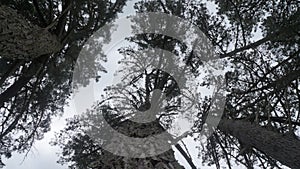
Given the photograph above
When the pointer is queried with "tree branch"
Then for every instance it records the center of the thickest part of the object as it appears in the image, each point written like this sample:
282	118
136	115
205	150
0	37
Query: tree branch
184	154
40	15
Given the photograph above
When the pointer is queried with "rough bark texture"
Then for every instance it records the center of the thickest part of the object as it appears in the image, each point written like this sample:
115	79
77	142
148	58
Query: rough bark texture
165	160
285	149
19	39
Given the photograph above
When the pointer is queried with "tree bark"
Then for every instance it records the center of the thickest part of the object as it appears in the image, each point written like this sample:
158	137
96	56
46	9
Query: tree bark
285	149
165	160
19	39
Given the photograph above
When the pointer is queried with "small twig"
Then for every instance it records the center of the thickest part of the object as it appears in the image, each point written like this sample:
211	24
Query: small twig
187	151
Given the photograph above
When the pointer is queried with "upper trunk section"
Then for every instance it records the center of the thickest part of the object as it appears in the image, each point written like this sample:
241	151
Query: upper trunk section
285	149
19	39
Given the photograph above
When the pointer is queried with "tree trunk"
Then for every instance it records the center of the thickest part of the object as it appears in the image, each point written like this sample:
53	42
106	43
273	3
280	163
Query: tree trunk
20	39
165	160
285	149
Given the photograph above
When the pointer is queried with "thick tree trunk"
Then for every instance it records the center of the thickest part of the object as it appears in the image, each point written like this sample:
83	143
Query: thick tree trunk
165	160
285	149
20	39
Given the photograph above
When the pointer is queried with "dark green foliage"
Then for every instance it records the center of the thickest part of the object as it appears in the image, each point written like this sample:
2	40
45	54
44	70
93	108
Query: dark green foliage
35	90
263	80
258	41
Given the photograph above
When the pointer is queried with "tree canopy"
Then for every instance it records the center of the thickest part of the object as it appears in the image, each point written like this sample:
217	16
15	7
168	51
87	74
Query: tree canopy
257	42
40	42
